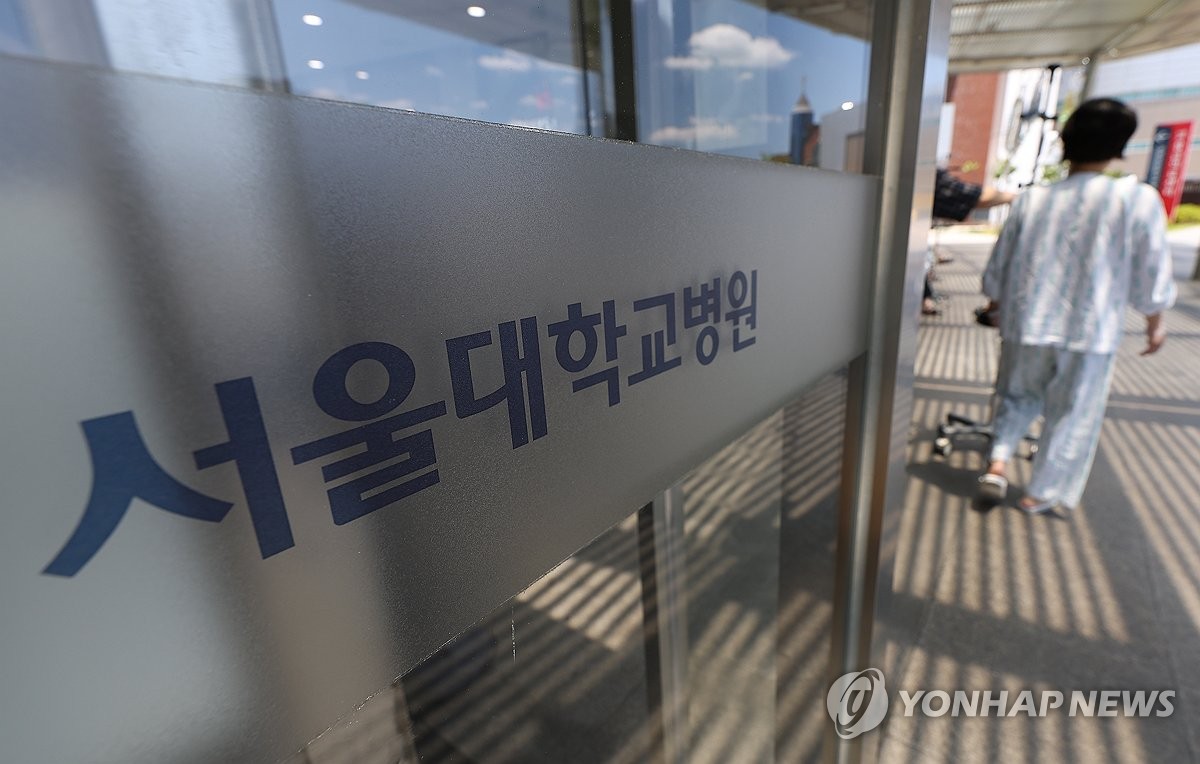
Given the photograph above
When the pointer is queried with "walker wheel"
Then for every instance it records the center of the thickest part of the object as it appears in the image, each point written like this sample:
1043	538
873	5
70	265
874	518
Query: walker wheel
942	446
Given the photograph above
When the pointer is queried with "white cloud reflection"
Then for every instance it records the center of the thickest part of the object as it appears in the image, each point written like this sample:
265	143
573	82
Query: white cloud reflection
701	131
692	63
730	47
508	61
399	103
541	101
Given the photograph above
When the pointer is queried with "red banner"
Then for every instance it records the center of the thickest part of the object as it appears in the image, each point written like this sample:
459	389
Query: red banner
1168	162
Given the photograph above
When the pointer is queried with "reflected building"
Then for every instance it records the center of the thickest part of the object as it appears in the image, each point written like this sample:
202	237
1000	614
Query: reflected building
842	139
804	134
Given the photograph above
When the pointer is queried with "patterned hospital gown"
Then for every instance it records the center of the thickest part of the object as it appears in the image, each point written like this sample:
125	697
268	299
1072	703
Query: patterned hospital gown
1073	255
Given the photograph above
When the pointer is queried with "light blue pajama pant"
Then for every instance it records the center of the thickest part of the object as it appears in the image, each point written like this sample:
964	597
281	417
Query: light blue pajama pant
1071	390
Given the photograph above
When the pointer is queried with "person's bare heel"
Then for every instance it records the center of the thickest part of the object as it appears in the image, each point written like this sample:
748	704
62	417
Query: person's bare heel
1032	506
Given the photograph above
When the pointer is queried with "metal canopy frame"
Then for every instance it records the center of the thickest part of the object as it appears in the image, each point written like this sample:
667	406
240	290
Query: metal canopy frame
990	35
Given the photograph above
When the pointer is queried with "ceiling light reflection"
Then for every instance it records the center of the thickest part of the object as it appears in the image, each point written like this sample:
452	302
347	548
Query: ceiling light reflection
312	19
476	11
362	75
314	63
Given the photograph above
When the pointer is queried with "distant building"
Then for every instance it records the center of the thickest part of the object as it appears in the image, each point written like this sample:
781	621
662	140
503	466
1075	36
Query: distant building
842	139
1162	87
801	145
973	132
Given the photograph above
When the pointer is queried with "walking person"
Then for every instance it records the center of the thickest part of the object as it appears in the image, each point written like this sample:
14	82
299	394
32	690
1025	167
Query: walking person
1068	261
955	199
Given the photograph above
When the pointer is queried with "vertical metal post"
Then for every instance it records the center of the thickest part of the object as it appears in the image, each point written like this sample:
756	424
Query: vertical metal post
1089	74
907	87
265	48
624	74
581	22
664	613
660	523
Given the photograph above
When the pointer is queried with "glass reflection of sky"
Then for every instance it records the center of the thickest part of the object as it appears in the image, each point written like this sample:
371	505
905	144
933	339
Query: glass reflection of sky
730	73
383	58
715	75
718	75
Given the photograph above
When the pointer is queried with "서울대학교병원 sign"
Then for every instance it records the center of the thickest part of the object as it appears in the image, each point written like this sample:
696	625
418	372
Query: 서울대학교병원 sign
393	455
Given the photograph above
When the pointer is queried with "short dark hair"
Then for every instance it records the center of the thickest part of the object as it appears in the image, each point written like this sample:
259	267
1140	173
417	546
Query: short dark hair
1098	131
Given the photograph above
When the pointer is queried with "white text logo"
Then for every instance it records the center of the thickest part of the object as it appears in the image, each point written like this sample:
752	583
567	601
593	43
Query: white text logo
1026	702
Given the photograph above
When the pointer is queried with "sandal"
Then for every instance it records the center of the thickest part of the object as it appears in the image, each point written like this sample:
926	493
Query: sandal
1039	507
993	487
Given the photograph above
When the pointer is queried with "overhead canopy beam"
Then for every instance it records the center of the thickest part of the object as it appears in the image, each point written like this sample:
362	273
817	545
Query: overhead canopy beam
1160	12
966	66
1024	31
996	35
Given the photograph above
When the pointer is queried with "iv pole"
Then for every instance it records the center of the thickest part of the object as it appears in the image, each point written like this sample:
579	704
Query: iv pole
1047	97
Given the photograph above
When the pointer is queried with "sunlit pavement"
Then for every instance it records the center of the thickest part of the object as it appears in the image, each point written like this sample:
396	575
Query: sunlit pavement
1108	598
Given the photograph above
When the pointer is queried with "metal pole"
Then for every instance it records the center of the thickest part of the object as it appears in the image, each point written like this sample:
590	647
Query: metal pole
623	71
908	80
581	22
1089	74
1048	98
664	624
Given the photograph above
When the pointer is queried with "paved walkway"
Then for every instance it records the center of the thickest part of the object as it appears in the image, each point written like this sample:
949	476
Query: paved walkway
1107	599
